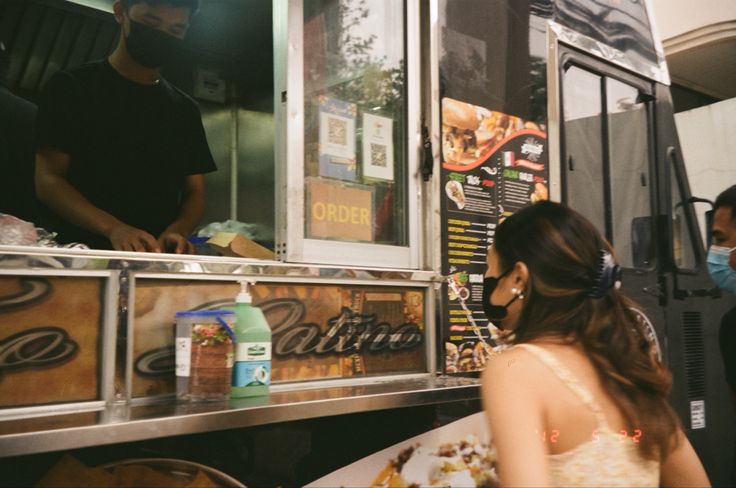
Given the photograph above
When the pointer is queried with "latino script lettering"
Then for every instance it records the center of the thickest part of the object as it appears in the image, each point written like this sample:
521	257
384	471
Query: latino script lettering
346	333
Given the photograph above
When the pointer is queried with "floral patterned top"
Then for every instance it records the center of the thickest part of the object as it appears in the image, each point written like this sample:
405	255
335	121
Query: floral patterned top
603	461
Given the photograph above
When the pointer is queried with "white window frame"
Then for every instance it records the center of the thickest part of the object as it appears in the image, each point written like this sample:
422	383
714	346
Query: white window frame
291	243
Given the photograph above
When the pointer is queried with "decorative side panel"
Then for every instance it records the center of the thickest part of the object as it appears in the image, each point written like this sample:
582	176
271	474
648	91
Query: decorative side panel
50	335
319	331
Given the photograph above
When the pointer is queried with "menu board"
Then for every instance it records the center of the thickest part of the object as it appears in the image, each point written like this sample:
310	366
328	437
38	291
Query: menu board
493	165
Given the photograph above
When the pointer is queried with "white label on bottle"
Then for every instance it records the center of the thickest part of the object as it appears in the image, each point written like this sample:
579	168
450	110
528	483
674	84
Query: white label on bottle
252	373
253	351
183	355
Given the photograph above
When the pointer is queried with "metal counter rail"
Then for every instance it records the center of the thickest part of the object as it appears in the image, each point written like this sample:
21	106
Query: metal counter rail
127	423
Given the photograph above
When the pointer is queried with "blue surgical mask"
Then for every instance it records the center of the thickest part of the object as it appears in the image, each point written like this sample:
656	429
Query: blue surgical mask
720	270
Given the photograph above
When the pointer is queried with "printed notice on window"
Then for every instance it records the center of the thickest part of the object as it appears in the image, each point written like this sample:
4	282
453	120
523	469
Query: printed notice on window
378	147
340	211
337	138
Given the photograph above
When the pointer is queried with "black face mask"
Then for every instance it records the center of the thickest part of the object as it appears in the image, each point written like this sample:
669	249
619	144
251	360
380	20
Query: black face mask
151	47
494	313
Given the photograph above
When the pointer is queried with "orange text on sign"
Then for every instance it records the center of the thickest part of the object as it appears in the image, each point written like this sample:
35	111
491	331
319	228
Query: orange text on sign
341	213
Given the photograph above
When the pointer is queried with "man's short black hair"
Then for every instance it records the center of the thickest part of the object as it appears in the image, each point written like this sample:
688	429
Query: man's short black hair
727	198
193	5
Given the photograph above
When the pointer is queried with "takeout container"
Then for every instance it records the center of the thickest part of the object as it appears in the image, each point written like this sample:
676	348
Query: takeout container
361	473
204	354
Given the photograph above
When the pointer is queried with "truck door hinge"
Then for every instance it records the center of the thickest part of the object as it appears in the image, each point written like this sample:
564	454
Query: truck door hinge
427	157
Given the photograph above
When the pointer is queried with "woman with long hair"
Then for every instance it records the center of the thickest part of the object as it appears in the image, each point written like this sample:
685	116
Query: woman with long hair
581	398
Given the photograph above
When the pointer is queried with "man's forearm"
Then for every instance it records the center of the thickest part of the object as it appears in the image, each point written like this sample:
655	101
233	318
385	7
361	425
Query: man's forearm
190	213
59	195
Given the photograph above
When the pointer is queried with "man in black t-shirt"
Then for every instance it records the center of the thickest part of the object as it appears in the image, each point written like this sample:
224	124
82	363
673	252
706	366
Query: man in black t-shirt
121	153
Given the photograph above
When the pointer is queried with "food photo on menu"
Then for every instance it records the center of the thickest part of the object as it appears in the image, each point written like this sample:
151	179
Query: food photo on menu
467	348
459	290
454	191
541	192
470	133
468	356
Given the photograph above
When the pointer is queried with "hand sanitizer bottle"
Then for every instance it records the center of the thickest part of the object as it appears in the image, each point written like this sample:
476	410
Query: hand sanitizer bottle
252	369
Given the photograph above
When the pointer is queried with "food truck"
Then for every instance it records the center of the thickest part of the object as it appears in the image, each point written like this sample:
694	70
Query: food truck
372	147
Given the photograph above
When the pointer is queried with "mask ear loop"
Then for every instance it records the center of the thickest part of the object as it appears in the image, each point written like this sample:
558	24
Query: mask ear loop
503	309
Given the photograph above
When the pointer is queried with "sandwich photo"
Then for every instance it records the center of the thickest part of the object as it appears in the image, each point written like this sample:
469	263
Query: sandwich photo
454	191
469	131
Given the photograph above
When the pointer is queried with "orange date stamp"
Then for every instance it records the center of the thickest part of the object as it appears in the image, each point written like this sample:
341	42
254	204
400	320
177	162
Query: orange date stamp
623	436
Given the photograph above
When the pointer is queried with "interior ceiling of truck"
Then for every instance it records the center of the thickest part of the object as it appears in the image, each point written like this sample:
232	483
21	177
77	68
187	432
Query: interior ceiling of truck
44	36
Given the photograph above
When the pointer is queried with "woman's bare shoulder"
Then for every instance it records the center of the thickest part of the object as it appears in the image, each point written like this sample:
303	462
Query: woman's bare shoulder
514	367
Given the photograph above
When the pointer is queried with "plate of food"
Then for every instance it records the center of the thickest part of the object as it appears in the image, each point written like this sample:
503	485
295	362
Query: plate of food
458	454
464	463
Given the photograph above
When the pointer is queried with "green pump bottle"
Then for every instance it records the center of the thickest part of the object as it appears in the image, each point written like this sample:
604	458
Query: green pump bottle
252	368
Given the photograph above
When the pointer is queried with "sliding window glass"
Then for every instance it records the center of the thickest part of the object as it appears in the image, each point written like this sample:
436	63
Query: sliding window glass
355	121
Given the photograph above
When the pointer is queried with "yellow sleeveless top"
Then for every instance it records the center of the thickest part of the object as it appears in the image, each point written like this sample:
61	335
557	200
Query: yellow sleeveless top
603	461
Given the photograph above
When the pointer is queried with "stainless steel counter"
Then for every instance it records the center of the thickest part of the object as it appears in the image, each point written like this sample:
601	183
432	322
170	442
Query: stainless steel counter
24	258
127	423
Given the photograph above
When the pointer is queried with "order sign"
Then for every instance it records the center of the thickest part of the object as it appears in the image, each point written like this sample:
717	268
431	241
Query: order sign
339	211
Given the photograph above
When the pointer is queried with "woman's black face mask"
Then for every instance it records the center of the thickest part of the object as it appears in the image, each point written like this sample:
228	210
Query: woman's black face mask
151	47
495	313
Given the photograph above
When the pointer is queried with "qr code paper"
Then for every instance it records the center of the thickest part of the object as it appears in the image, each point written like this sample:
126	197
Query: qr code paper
337	131
378	155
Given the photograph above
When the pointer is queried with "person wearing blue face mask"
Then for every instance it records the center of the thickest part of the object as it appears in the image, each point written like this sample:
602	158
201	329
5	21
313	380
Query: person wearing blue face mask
722	268
722	255
121	152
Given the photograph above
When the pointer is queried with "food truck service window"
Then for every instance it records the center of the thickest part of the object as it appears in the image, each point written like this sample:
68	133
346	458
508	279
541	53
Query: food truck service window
348	117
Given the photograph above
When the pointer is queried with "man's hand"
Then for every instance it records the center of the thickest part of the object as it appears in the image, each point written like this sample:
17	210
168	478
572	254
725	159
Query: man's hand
174	242
127	238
